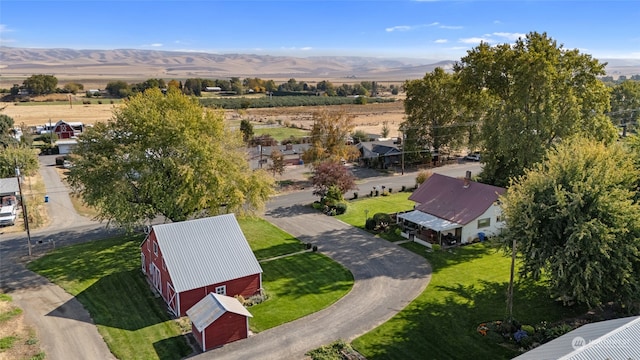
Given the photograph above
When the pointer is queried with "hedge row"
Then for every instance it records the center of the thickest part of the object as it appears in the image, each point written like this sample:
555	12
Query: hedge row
282	101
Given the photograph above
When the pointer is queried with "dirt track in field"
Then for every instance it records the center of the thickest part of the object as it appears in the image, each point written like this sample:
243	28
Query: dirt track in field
369	118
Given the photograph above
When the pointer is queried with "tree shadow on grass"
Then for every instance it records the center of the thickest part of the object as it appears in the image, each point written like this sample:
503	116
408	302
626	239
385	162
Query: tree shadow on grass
446	327
122	300
169	348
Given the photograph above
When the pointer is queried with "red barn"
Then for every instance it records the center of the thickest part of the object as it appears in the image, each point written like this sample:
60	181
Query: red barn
67	130
185	261
217	320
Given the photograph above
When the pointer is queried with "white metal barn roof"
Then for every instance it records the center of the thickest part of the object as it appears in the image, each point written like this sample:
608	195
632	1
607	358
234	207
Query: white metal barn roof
617	339
211	307
205	251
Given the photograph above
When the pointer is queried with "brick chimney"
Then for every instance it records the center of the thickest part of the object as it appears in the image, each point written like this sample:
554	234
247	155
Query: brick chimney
467	179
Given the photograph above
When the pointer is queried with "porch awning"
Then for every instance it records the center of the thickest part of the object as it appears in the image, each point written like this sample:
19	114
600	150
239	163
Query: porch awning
429	221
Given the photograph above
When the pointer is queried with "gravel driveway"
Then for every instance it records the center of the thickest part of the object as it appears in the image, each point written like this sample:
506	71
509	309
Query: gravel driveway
387	278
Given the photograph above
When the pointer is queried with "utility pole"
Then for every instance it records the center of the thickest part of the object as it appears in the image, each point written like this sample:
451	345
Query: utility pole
24	209
403	141
510	291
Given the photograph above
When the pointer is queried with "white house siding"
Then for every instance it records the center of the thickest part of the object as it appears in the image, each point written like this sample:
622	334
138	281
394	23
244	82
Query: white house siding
470	231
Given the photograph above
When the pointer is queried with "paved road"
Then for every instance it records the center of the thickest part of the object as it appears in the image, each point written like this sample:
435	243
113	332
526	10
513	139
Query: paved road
65	329
387	277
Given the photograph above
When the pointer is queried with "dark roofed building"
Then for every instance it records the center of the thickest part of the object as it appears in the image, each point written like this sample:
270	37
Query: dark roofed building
457	210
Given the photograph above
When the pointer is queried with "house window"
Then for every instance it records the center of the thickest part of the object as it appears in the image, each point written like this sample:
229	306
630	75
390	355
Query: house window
144	263
221	290
483	223
155	248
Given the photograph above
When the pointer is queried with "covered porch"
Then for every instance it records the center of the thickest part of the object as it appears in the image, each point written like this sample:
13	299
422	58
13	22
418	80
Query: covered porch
427	229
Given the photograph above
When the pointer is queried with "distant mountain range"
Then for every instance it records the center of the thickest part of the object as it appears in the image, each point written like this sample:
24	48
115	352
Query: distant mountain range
143	64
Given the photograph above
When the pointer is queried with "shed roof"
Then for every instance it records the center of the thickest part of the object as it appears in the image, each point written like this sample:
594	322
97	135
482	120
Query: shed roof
617	339
205	251
9	186
206	311
448	198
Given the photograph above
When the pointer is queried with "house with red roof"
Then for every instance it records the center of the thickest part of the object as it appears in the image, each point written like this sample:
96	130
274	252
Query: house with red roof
186	261
451	211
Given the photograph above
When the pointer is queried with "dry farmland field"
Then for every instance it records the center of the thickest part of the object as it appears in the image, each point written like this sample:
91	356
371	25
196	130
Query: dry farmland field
368	118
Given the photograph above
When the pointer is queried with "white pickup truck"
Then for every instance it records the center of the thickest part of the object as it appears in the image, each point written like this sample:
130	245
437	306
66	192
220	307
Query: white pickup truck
7	215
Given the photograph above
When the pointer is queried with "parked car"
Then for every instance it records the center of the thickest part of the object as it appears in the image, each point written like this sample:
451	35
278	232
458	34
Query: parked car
7	215
67	164
473	156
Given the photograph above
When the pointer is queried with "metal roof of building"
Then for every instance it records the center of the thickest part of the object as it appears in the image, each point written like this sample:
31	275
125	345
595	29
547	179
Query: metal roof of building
617	339
205	251
211	307
9	186
448	198
430	221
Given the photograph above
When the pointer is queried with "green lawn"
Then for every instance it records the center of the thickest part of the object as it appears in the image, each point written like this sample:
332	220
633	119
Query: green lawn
359	209
299	285
280	133
468	287
266	240
105	277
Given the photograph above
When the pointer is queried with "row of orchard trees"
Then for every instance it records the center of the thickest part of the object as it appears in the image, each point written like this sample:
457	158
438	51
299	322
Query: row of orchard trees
546	126
42	84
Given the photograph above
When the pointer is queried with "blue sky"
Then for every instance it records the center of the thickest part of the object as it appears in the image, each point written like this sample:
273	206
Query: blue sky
400	28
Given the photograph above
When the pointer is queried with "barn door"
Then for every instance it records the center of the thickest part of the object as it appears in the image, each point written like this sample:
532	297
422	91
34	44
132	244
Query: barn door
155	277
173	299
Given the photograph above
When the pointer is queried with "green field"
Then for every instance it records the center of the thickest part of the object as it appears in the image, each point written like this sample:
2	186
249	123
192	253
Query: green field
468	287
105	277
280	133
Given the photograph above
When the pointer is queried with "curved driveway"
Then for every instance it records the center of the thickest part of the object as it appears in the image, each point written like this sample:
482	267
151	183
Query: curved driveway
387	278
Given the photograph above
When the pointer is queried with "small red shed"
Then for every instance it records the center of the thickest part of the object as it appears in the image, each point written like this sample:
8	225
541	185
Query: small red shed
217	320
185	261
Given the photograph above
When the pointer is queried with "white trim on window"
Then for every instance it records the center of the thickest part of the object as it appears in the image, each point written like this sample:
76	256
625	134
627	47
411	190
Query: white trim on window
155	248
221	290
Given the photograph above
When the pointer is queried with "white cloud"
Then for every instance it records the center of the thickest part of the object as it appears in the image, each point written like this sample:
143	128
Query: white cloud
473	40
156	45
450	27
497	22
306	48
398	28
509	36
441	41
3	31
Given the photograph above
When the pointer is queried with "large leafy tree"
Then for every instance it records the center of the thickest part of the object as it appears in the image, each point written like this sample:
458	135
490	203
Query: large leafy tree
165	155
330	138
625	103
537	93
41	84
6	126
24	157
435	116
576	224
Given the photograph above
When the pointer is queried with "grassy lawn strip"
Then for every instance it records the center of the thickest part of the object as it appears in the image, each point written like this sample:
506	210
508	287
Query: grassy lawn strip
468	287
355	215
266	240
299	285
280	133
105	277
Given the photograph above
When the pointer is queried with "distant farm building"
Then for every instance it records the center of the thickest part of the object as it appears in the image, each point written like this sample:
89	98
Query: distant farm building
67	130
212	88
185	261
